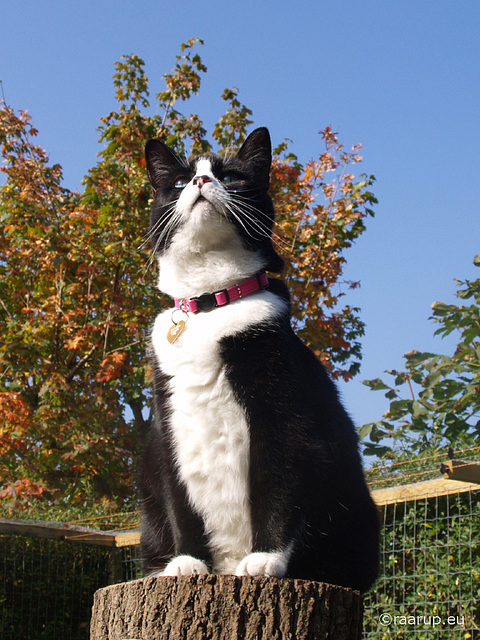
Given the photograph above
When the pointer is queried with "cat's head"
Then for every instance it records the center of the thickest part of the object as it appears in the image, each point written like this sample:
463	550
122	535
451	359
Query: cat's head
207	196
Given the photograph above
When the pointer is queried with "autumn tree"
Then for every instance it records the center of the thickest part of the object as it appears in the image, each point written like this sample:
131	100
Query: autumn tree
77	286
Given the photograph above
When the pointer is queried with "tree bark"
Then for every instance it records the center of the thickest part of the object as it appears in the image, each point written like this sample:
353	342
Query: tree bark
221	607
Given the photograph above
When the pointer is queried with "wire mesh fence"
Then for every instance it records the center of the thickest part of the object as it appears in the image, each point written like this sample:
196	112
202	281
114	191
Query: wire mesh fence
47	587
50	573
429	586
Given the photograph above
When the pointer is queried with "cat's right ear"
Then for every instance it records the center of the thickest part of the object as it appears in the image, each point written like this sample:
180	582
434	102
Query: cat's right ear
160	161
257	149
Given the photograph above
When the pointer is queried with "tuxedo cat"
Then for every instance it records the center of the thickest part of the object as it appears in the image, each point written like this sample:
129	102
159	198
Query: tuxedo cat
252	464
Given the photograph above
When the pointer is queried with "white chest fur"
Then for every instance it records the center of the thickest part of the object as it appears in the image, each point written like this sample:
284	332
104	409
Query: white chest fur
209	426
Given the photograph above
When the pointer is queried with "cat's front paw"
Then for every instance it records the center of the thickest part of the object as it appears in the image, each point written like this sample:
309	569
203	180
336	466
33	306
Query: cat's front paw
263	564
184	566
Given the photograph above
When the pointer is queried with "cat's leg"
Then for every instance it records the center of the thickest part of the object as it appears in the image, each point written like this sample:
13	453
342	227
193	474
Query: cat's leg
191	554
276	506
156	542
158	547
174	541
276	533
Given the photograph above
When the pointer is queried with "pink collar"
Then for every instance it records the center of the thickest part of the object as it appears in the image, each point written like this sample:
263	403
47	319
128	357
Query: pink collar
209	301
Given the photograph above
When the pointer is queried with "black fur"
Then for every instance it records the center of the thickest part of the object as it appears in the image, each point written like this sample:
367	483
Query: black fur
306	479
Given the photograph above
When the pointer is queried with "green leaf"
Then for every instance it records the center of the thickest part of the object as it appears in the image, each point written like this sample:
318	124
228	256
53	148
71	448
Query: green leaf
440	308
417	357
375	385
464	293
432	378
365	430
391	394
418	409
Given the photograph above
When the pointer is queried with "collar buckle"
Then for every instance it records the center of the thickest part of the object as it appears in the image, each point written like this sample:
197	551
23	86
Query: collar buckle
206	302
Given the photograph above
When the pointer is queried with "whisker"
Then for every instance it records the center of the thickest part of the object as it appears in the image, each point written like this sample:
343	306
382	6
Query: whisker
169	220
261	213
259	227
167	230
166	221
254	224
148	236
231	210
247	209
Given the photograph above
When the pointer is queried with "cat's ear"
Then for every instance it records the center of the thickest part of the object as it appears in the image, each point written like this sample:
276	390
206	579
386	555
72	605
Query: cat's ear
257	150
160	161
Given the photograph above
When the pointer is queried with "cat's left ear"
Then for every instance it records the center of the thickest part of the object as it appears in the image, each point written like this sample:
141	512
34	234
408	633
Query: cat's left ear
257	150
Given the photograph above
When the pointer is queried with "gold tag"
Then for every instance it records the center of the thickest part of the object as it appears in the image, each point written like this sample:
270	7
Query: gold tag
175	330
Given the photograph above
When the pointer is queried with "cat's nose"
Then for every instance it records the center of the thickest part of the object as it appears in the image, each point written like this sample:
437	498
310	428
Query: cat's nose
201	180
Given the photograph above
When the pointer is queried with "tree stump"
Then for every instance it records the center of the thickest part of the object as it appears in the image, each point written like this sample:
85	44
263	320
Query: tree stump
221	607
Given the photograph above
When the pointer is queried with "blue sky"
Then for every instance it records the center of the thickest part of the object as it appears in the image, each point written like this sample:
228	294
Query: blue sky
401	78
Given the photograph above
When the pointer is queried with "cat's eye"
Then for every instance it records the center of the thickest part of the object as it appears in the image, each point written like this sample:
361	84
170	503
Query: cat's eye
181	183
228	179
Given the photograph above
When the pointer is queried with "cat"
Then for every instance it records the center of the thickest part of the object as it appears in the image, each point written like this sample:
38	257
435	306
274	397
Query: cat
252	465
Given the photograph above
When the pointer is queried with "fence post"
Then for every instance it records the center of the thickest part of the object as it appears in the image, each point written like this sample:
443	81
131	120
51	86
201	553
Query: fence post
221	607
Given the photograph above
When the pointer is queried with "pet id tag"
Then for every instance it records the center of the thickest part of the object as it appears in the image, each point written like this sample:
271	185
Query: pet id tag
177	328
175	331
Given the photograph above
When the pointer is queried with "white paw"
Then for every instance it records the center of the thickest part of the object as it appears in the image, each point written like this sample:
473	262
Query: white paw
263	564
184	566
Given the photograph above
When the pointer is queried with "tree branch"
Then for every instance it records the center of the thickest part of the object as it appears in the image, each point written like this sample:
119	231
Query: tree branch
80	363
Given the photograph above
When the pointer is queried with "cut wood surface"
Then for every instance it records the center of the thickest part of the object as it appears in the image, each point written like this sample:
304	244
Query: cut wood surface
220	607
